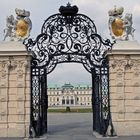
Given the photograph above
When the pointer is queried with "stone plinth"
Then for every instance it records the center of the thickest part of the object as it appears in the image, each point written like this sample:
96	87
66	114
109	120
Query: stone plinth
124	74
14	90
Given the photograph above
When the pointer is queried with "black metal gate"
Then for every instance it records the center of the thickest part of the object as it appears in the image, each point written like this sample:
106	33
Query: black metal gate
100	100
69	37
39	102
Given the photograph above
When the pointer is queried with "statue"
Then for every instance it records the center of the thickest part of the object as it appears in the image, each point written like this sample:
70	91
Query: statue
120	28
18	29
10	25
129	30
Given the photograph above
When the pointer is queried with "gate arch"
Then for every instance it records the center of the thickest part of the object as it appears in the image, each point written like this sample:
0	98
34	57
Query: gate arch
69	37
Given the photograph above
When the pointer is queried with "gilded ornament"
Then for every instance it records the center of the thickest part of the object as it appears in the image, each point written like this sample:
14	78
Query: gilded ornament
117	27
22	28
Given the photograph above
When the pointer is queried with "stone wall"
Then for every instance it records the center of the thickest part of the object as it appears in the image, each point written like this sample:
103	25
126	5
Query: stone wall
14	90
124	66
124	62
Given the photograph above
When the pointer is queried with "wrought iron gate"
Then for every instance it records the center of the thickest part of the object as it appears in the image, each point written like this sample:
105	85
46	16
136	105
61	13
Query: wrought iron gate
39	102
69	37
100	100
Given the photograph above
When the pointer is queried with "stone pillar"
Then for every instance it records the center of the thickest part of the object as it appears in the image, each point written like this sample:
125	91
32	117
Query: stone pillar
14	90
124	74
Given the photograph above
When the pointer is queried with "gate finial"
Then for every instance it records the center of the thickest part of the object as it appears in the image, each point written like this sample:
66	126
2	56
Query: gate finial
68	10
68	4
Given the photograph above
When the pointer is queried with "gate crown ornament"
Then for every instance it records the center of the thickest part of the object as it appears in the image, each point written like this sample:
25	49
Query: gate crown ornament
68	10
120	27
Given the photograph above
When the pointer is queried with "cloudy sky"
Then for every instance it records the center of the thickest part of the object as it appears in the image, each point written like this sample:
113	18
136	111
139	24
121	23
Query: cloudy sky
97	10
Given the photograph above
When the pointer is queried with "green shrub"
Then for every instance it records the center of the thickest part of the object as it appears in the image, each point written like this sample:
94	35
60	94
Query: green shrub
67	109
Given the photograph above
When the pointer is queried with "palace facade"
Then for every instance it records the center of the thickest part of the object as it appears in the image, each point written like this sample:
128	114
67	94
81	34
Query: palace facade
69	95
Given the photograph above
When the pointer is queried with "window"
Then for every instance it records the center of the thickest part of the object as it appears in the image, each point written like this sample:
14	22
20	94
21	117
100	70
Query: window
63	101
57	99
72	102
77	99
67	101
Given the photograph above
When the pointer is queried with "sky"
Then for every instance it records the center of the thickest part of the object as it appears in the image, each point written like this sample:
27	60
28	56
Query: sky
97	10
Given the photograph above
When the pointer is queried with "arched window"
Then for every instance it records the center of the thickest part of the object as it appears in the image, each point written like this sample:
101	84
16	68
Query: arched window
63	101
77	99
72	101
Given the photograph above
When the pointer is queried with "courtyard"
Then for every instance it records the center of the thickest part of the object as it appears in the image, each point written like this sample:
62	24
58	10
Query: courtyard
71	126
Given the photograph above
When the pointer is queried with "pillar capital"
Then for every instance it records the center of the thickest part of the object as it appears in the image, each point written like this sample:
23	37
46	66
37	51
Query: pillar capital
125	47
12	48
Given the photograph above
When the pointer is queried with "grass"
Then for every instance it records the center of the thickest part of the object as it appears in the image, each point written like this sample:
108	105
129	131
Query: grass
72	110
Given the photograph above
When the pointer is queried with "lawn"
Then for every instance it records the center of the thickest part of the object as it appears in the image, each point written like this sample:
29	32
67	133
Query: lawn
72	110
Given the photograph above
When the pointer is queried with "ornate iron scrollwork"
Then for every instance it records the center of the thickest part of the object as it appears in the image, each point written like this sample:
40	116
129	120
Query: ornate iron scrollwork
68	37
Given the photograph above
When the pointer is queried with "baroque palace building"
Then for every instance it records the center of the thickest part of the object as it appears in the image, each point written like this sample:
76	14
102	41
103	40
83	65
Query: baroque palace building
69	95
